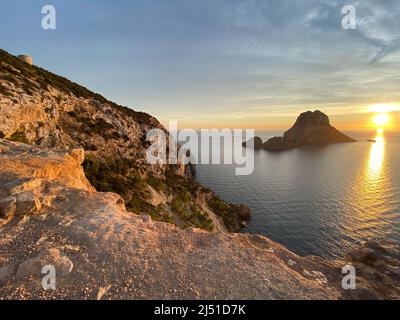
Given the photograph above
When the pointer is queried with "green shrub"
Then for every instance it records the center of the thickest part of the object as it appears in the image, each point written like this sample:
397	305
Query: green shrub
120	166
217	204
156	183
2	135
186	196
91	166
19	136
8	77
176	205
4	91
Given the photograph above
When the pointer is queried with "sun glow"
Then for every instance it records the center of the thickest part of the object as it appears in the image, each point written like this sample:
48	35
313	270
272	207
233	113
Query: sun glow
381	120
384	108
383	116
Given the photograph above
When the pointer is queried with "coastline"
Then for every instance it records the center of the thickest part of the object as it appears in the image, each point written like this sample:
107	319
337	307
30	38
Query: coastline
104	252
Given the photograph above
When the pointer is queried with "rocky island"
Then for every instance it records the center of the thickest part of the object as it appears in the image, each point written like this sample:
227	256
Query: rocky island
76	193
310	128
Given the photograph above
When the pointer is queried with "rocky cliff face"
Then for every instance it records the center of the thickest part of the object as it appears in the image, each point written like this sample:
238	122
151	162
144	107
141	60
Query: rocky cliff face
310	128
51	215
43	109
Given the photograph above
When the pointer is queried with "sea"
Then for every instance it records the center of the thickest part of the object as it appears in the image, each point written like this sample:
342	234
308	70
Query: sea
318	200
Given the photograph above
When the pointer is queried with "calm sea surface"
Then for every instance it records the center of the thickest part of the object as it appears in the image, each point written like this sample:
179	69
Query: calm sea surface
321	200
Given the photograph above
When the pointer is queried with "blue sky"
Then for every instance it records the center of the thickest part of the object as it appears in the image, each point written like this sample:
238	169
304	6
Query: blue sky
218	62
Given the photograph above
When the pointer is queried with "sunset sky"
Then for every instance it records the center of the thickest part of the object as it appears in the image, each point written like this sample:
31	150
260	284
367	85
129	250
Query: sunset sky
221	63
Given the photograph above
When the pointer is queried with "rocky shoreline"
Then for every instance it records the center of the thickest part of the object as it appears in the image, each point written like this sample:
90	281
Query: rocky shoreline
51	215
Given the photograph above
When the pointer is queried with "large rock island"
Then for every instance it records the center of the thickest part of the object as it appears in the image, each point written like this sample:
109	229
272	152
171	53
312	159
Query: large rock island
311	128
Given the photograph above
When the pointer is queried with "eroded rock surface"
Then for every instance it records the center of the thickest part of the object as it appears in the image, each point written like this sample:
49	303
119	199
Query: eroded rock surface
101	251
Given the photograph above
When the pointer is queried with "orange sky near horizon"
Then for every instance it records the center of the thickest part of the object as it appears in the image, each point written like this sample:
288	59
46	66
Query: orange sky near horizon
351	122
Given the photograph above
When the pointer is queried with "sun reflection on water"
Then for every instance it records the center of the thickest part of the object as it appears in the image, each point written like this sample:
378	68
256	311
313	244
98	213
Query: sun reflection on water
377	156
370	192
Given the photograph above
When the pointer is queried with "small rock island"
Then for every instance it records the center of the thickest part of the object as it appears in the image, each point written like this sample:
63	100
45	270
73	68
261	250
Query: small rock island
310	128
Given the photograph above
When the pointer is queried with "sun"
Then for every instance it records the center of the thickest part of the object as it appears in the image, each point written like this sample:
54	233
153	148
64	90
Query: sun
381	120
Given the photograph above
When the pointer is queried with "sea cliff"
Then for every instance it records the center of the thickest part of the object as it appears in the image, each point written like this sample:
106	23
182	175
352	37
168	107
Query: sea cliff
40	108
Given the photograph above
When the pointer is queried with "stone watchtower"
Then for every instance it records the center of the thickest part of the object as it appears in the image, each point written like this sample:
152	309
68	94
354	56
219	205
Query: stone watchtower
25	58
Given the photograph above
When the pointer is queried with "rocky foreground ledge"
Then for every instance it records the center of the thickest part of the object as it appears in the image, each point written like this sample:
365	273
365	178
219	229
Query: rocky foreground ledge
51	215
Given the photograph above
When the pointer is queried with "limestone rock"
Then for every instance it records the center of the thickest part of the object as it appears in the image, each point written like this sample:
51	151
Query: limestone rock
243	212
27	202
7	272
53	257
376	254
291	263
146	218
72	249
102	291
8	207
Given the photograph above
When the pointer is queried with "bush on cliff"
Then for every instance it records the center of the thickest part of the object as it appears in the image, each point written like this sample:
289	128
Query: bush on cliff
19	136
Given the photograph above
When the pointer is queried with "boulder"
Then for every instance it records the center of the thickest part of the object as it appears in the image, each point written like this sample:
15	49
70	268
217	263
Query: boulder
8	207
34	266
27	202
7	272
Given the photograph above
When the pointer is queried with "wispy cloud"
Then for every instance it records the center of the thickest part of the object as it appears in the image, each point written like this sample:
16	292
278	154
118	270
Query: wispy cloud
189	58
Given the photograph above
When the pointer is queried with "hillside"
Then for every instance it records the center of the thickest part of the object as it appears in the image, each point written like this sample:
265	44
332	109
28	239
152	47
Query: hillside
40	108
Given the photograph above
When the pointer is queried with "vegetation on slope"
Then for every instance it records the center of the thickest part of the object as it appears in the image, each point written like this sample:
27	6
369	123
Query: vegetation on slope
94	123
32	78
